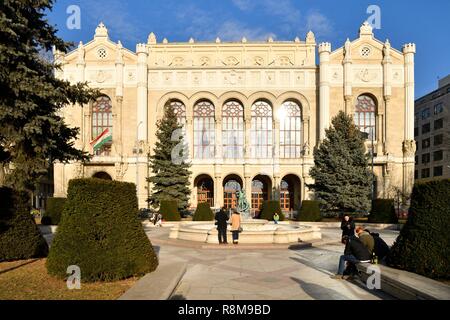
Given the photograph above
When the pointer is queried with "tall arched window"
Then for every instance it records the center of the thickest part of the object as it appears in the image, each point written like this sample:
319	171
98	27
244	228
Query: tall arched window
261	133
180	111
290	130
204	130
365	115
101	121
233	130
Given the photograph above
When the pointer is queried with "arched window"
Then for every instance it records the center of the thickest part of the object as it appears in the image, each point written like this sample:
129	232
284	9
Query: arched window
261	133
180	111
365	115
290	130
204	130
102	124
233	130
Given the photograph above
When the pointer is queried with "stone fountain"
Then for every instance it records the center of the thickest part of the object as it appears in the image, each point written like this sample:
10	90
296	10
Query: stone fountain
255	231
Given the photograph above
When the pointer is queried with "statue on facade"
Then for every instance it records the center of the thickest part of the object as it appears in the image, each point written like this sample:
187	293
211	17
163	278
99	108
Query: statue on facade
243	207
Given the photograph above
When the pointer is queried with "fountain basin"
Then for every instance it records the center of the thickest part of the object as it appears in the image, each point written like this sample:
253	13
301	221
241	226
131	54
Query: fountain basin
254	232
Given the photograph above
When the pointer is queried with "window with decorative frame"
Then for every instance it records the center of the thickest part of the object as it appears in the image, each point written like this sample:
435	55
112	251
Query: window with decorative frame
262	132
101	120
290	130
204	130
233	130
365	115
180	112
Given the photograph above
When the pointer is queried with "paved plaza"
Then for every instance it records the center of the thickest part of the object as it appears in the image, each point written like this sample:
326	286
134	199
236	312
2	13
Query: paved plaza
264	274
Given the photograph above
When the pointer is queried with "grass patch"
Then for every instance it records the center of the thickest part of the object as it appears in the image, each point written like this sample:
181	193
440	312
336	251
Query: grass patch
28	280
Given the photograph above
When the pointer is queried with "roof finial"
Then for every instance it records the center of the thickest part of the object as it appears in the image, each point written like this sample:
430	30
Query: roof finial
366	29
218	40
101	31
151	38
310	37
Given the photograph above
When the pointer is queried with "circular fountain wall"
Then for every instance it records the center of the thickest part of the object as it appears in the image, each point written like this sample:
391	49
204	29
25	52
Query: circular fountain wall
254	232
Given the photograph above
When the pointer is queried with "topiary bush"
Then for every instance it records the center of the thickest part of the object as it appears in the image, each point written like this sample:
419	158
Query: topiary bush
423	245
100	232
310	211
19	236
269	208
55	207
383	211
203	213
169	210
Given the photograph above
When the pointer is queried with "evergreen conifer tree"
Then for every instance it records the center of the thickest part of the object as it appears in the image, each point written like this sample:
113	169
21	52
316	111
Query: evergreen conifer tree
32	133
169	163
342	177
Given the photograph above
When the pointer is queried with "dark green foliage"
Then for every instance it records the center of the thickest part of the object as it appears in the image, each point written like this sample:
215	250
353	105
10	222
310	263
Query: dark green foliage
341	173
203	213
310	211
423	245
32	133
19	236
170	180
383	211
101	233
169	211
55	207
269	208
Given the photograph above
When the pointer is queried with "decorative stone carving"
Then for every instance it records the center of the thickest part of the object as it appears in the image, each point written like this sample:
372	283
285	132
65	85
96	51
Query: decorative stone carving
258	61
284	61
121	169
409	148
231	61
79	170
366	76
177	62
306	149
205	61
81	53
101	76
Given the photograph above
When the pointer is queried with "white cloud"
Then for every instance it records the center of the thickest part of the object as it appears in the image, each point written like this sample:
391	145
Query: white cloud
244	5
318	23
234	31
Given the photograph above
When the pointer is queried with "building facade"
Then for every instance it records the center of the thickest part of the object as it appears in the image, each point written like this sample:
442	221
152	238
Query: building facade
252	112
432	133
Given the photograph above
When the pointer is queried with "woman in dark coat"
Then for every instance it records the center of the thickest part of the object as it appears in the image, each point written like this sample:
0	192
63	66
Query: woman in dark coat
348	226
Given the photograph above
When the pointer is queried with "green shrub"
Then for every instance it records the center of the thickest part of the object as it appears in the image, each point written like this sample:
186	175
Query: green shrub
101	233
383	211
423	245
19	236
310	211
55	207
169	210
269	208
203	213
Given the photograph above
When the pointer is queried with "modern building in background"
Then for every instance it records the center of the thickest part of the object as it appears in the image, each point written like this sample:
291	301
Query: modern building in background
252	112
432	133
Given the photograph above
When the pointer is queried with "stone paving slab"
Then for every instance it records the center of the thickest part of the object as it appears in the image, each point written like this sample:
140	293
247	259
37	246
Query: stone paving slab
158	285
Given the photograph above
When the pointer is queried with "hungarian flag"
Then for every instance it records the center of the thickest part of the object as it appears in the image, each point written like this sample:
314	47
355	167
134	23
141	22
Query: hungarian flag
101	140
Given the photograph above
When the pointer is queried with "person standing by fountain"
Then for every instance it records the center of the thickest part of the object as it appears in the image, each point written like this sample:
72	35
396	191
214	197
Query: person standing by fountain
236	228
221	222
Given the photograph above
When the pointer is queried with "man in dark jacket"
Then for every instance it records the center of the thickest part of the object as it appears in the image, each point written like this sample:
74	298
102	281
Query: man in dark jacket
347	227
222	219
355	252
381	249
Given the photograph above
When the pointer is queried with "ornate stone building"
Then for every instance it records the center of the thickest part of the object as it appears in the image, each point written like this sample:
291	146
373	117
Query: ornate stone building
252	111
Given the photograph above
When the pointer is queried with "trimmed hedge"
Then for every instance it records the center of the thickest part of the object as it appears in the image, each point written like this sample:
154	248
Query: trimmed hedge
169	210
269	208
55	207
310	211
100	232
423	245
19	236
383	211
203	213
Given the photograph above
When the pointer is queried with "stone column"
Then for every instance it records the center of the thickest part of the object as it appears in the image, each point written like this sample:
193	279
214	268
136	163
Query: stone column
248	184
218	191
117	130
142	92
348	83
276	142
324	94
218	139
387	88
409	146
81	64
306	137
190	135
247	142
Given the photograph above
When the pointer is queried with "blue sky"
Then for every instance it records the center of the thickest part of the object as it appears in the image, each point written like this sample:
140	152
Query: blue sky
427	23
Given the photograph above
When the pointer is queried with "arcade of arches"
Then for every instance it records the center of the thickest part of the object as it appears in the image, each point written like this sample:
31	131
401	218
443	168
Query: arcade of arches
262	188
